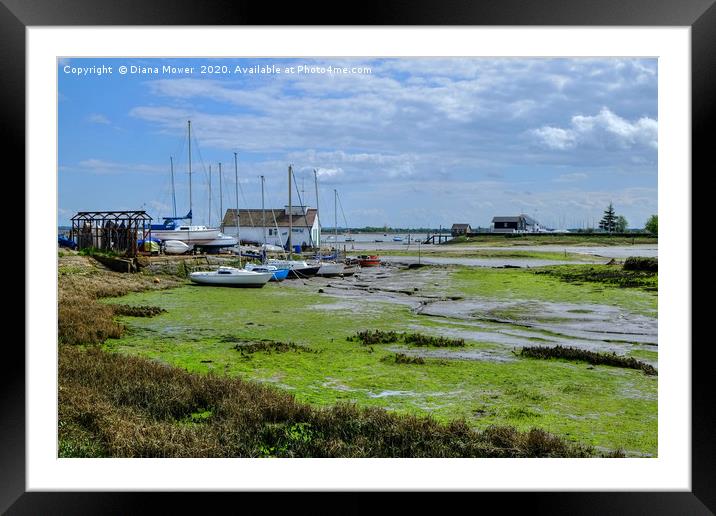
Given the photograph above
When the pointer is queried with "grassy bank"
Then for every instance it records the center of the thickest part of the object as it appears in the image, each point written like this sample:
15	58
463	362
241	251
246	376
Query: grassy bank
118	406
445	251
571	239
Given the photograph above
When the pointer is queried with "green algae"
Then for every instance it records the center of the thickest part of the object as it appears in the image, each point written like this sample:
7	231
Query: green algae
592	405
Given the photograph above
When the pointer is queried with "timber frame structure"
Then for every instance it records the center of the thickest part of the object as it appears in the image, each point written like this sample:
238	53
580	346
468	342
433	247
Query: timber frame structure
116	231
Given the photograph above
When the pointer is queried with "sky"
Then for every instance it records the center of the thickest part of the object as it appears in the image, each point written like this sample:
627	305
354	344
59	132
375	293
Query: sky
406	142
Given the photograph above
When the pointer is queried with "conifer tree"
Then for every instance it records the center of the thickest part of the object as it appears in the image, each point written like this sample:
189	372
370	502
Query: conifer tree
609	220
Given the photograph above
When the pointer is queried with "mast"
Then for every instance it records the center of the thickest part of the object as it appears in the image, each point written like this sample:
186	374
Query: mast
221	198
190	212
263	212
335	214
315	182
290	213
174	195
209	194
236	178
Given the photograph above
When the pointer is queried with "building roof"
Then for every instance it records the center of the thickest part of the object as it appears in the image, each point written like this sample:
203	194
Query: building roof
460	226
505	219
527	219
254	218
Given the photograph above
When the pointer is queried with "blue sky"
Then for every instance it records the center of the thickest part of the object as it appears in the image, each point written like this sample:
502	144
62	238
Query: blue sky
406	142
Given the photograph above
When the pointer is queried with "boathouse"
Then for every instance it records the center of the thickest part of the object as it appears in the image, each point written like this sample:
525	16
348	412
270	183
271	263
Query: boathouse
460	229
273	224
518	224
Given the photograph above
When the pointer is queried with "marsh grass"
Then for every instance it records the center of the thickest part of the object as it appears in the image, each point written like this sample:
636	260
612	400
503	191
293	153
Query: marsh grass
641	263
613	275
270	346
137	311
82	282
112	405
373	337
583	355
401	358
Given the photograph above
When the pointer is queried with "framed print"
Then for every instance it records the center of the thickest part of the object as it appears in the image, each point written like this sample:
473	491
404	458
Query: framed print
467	200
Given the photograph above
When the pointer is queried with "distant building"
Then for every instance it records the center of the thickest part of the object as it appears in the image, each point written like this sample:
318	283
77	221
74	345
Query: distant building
518	224
306	226
461	229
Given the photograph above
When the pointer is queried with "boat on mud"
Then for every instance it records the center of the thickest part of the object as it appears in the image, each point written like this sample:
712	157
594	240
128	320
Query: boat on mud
349	270
231	277
296	268
331	269
369	260
276	273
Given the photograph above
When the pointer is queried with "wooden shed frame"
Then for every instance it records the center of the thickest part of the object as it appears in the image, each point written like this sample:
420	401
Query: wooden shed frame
116	231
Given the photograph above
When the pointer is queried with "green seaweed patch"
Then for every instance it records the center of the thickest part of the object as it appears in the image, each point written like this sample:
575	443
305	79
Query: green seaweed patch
198	417
271	346
371	337
137	311
583	355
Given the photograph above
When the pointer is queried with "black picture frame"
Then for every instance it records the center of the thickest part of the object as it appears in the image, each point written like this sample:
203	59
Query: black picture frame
700	15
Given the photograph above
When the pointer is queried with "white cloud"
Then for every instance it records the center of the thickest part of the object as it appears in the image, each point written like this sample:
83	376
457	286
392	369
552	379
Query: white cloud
605	129
98	118
99	166
328	172
570	178
556	137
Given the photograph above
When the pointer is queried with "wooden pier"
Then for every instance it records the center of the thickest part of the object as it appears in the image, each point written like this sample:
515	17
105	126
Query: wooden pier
438	238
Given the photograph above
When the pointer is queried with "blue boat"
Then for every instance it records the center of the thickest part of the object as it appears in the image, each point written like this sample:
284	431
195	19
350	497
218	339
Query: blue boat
66	242
278	274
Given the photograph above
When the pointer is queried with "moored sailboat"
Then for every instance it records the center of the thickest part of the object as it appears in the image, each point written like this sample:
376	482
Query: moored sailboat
231	277
192	235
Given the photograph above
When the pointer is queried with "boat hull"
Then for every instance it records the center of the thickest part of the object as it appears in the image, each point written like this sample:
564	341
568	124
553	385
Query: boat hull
175	247
189	237
236	278
303	272
331	269
279	275
369	261
276	273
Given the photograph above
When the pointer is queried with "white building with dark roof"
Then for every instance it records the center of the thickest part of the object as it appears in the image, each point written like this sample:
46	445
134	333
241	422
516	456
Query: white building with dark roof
273	223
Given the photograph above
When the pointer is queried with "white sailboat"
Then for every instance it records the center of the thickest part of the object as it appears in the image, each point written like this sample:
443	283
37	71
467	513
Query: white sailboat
330	268
192	235
231	276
